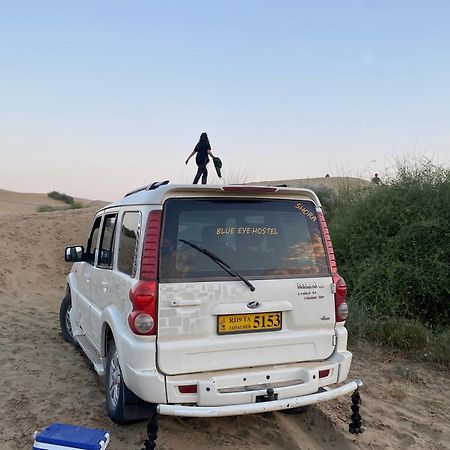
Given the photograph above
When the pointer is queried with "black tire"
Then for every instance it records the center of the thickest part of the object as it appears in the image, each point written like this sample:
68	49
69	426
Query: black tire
122	405
114	386
298	410
64	320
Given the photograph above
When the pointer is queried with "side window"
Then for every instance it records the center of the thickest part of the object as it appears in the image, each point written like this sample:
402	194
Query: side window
91	247
105	257
129	237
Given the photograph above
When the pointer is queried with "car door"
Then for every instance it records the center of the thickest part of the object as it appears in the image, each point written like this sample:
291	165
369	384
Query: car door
102	289
83	275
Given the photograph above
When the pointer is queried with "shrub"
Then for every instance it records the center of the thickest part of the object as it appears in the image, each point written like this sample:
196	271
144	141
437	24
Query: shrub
62	197
392	246
76	205
407	373
440	347
47	208
395	333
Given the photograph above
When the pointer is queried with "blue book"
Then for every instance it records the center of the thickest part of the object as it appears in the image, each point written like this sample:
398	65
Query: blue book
58	436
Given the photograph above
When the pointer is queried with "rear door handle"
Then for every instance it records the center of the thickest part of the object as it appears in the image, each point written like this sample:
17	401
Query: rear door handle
179	303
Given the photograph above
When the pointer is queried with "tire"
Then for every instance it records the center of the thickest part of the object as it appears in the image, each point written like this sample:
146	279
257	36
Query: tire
298	410
122	405
114	386
64	320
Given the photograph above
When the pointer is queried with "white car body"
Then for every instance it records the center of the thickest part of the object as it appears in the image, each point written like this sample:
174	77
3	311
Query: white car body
225	374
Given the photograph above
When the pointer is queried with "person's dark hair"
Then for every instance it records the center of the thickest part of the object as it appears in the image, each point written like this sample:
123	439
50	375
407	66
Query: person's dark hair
204	141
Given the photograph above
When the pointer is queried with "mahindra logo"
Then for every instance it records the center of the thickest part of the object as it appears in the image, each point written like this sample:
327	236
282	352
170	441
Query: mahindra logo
253	305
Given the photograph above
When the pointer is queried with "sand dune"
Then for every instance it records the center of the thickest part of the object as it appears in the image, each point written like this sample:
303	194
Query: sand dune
44	379
26	203
335	183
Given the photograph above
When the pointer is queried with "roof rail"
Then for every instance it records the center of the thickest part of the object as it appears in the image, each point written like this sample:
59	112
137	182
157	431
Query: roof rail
150	187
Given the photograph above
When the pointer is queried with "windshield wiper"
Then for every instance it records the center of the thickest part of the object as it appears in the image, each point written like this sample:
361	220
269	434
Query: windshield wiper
220	262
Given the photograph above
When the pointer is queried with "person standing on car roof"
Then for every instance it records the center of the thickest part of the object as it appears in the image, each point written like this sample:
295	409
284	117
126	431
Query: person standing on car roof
203	149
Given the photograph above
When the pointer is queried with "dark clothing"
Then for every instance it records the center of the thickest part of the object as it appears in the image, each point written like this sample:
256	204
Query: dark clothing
202	171
218	166
201	158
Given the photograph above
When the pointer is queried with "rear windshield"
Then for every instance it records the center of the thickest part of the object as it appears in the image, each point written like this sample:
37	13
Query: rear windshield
258	238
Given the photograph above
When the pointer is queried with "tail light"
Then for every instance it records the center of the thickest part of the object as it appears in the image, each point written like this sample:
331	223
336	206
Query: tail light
144	295
339	286
340	296
142	319
188	389
324	373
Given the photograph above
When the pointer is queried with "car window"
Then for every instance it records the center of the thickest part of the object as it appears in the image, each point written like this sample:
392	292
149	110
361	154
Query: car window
91	247
128	242
259	238
105	257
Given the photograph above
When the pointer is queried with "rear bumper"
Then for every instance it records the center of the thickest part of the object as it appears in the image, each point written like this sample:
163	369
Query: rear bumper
254	408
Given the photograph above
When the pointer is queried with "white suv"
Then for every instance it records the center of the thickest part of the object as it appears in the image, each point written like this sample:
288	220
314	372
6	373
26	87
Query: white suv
210	301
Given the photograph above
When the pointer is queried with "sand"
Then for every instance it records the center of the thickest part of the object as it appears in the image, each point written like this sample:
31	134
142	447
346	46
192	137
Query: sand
26	203
44	379
336	184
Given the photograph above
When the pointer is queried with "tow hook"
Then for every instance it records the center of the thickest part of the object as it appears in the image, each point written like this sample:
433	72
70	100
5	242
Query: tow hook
355	426
269	397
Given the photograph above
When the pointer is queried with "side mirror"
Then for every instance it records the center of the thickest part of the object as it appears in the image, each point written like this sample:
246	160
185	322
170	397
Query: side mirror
74	254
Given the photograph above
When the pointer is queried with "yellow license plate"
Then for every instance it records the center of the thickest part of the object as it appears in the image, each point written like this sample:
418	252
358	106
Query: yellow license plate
247	323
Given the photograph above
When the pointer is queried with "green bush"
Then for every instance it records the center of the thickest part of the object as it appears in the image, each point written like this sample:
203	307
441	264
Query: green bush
440	346
392	247
76	205
47	208
62	197
395	333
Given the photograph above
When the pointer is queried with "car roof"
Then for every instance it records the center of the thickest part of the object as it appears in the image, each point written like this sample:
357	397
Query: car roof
157	195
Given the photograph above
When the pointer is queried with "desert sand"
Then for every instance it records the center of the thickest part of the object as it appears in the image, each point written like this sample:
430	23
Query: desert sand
335	183
45	380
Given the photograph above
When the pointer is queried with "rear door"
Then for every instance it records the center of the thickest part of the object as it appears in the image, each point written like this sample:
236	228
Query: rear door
209	320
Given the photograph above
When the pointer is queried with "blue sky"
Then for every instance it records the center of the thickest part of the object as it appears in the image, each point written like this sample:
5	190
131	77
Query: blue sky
98	97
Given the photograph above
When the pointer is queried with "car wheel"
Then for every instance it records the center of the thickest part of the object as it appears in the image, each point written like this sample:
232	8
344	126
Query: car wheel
114	386
122	405
64	320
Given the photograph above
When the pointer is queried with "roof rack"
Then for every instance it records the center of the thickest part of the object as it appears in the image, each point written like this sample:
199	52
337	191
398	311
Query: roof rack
150	187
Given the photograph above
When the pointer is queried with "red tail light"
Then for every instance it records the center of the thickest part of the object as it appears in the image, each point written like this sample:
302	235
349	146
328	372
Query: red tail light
188	389
144	294
142	319
340	288
340	296
324	373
